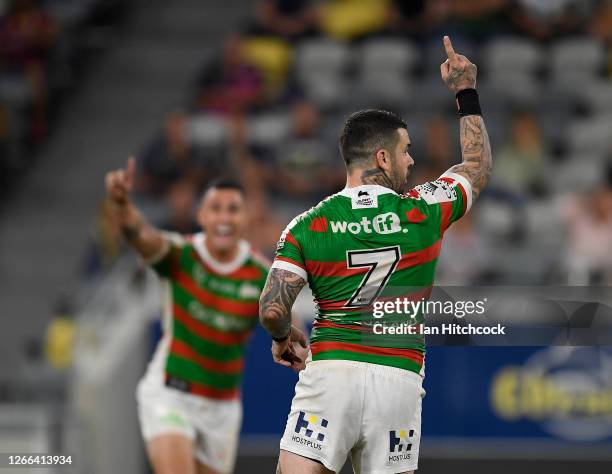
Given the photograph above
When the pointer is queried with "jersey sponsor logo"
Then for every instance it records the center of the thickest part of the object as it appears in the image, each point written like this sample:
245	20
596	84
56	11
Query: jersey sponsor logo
387	223
215	319
312	428
364	200
400	445
248	290
440	190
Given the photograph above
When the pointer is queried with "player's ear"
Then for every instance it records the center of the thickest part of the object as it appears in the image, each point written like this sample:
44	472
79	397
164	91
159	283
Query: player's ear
383	160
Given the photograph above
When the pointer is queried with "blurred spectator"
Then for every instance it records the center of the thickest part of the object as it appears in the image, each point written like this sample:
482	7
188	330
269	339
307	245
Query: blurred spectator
519	164
106	243
482	18
182	203
464	255
263	216
304	167
289	19
545	19
601	24
439	146
417	18
27	33
230	85
589	222
170	157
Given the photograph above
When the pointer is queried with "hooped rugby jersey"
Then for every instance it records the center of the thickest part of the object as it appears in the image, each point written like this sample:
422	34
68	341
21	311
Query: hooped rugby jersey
356	243
211	309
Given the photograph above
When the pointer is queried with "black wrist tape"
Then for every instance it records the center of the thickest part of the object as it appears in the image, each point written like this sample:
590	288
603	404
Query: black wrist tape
468	103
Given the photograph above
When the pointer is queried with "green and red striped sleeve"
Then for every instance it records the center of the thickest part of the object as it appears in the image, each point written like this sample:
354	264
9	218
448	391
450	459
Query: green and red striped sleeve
289	255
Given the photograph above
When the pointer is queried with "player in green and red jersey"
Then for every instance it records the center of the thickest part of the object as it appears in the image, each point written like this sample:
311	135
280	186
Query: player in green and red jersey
361	395
189	400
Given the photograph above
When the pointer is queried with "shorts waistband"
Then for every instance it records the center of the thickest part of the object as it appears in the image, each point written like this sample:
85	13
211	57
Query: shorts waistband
372	368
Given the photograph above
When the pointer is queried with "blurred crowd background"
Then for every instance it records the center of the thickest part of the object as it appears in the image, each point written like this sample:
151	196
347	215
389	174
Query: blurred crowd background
269	105
265	105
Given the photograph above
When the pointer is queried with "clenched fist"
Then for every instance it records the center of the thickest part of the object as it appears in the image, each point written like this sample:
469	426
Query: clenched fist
457	71
119	183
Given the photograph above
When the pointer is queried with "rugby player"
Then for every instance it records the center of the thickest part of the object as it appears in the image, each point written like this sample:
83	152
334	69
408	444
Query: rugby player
189	400
357	397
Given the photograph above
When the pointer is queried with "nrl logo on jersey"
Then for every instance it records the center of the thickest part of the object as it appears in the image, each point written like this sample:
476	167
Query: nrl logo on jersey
387	223
440	190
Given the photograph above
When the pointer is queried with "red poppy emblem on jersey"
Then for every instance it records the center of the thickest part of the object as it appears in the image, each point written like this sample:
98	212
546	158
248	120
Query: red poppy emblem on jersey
415	216
447	180
318	224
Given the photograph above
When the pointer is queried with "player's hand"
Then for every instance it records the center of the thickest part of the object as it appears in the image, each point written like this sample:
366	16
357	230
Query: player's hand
292	352
119	183
457	71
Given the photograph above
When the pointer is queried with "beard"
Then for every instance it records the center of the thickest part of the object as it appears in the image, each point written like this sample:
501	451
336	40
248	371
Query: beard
399	180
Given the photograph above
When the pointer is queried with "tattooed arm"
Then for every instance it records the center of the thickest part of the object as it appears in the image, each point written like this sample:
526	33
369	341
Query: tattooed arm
459	73
476	152
277	298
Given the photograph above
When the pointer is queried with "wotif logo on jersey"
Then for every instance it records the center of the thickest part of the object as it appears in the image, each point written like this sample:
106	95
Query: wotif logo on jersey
387	223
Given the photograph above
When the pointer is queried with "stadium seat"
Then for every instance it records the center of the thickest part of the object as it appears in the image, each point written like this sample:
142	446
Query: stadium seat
507	89
598	96
579	173
207	131
270	55
514	55
592	135
268	129
389	54
581	56
320	67
321	57
349	20
384	72
543	223
431	95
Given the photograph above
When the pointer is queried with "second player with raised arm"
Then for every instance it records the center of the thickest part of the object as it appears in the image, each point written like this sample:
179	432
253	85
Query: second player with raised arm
357	396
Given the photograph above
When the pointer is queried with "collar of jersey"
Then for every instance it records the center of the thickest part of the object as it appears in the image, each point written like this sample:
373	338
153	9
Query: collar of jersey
220	267
375	189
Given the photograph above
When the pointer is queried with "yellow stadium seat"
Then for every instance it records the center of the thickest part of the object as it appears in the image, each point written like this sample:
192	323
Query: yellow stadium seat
348	19
272	56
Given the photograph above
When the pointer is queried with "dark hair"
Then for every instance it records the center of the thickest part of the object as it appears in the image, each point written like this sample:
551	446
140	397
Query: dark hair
224	183
367	131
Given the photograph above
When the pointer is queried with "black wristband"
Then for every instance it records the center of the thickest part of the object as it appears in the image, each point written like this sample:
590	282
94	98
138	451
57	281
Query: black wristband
468	103
282	339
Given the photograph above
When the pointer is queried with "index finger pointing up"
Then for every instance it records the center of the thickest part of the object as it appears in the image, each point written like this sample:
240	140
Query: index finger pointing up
131	170
448	47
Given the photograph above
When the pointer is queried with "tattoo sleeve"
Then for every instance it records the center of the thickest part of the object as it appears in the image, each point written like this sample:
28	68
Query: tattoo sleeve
476	152
277	298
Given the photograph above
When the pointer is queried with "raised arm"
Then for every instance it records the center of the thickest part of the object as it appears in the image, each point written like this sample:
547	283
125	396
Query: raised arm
275	303
459	74
148	241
